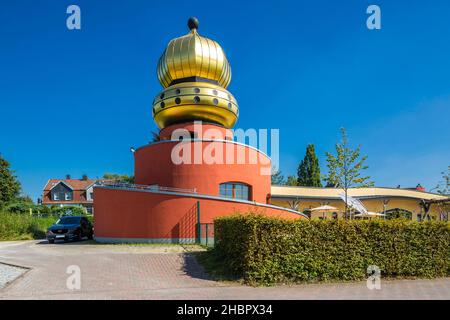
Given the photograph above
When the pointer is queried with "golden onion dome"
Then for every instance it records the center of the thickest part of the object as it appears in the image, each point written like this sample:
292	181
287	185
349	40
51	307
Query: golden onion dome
194	73
193	58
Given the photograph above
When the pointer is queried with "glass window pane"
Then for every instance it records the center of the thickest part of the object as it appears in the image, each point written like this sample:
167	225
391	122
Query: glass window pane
235	190
245	193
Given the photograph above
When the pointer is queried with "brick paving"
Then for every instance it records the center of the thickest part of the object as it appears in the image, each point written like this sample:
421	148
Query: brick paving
166	272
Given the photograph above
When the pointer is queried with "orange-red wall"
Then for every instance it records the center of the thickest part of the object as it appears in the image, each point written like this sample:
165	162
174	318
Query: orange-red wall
145	215
134	214
154	165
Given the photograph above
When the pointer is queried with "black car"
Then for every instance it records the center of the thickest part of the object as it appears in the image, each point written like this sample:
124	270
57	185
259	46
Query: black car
70	228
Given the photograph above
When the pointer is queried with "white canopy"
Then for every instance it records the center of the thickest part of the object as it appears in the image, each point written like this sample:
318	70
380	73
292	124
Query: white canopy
324	209
370	214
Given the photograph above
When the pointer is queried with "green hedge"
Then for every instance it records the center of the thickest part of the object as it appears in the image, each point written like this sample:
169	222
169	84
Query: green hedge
266	250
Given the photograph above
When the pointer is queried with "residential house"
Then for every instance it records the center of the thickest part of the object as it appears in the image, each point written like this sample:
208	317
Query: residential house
70	192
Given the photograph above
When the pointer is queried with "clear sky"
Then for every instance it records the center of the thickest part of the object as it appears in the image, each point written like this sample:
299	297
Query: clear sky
73	102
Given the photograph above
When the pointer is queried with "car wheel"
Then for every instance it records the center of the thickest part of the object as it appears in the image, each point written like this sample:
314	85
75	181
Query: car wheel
91	236
51	241
80	235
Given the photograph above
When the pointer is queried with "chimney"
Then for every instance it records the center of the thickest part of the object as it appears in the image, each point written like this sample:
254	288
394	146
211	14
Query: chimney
85	177
68	177
420	188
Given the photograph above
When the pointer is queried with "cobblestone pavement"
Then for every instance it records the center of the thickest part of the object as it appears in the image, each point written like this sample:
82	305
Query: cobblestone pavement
9	273
165	272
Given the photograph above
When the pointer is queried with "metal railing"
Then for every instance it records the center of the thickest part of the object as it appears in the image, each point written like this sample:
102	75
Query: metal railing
125	185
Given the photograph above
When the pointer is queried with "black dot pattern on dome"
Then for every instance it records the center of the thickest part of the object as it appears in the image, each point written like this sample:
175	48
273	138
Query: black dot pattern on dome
162	104
215	101
196	99
178	91
197	90
177	100
162	96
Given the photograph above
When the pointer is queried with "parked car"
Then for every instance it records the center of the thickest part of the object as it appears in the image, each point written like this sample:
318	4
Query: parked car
70	228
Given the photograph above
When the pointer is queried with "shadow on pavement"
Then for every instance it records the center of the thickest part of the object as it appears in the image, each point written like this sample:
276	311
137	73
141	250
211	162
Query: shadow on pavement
193	268
73	242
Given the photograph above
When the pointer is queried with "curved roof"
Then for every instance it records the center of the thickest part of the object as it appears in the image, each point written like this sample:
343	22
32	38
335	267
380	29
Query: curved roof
333	193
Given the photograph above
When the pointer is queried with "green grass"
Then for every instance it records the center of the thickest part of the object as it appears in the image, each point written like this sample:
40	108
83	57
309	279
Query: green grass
17	226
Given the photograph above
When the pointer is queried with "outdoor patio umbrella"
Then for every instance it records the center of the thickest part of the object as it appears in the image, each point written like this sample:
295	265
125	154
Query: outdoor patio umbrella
324	209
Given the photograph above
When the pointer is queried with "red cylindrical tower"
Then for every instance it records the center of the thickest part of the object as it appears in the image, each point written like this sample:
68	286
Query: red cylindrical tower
196	170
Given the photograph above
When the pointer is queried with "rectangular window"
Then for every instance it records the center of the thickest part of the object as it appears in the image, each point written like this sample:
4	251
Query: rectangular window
68	196
226	190
56	196
235	191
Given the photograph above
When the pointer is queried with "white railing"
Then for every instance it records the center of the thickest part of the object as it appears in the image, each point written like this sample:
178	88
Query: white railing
125	185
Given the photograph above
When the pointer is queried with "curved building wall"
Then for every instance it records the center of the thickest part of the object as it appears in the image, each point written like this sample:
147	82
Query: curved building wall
143	216
203	165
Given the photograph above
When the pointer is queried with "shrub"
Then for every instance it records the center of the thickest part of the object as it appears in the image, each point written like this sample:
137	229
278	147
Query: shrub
266	250
72	210
17	226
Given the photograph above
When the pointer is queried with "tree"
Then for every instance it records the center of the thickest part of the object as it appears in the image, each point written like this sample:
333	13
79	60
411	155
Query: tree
277	178
9	185
344	169
119	177
444	185
309	171
292	181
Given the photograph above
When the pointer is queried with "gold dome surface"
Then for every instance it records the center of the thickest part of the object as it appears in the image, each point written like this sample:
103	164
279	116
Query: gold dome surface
194	73
193	56
193	101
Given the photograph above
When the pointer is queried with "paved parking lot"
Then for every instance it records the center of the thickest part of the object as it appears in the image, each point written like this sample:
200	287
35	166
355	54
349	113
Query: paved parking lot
164	272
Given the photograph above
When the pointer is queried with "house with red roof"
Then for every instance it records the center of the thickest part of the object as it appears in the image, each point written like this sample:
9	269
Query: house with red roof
70	192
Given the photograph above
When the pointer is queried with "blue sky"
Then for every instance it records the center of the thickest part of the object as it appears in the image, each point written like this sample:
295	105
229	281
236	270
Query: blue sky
73	102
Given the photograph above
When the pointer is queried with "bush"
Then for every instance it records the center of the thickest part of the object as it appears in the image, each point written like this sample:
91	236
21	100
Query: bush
265	250
17	226
72	210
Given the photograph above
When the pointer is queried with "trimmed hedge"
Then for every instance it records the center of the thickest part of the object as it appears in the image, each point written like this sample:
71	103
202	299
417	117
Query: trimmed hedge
266	250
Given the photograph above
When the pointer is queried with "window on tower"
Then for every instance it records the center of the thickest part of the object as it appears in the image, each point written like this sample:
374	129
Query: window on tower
235	190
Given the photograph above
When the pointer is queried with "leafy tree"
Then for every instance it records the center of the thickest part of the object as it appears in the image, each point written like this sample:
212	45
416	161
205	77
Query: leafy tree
309	171
292	181
119	177
277	178
344	168
9	185
444	185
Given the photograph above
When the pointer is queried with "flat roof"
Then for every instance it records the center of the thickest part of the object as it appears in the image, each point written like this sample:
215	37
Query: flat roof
333	193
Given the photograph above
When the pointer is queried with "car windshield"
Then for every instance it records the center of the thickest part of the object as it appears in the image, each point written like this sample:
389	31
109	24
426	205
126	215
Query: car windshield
68	220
